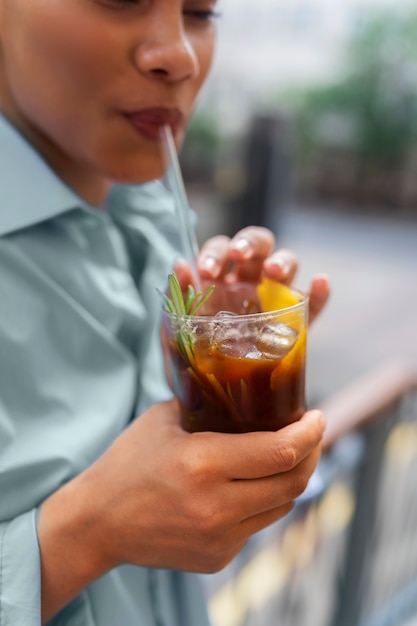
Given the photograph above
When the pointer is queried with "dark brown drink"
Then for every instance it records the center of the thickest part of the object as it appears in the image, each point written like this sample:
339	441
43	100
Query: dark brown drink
239	373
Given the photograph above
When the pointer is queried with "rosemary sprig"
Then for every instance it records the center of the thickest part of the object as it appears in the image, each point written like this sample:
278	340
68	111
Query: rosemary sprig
193	301
189	305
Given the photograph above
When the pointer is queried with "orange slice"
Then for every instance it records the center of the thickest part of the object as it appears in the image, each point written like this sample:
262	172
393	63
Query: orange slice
275	296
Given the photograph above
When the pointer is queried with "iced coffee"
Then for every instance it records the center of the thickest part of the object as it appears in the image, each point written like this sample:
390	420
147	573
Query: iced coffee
236	366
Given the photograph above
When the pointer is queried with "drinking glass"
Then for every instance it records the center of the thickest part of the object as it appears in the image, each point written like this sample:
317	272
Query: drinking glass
239	365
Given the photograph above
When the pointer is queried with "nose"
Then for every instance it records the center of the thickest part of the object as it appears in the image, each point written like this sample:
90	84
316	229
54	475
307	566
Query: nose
167	52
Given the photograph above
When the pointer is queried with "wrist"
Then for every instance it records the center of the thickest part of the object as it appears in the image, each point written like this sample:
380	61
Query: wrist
72	544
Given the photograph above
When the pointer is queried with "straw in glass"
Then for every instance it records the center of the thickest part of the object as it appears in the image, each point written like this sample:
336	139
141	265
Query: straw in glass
176	184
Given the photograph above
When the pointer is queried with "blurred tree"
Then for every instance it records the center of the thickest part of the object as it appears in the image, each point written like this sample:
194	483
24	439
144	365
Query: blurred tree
372	111
199	152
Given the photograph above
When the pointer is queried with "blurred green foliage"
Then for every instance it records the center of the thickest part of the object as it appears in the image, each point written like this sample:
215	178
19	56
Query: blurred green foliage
372	109
199	153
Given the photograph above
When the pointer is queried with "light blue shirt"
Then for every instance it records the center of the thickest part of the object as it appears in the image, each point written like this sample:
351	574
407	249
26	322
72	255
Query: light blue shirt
79	358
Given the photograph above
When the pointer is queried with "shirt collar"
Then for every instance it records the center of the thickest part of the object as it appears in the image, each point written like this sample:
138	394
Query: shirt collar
30	191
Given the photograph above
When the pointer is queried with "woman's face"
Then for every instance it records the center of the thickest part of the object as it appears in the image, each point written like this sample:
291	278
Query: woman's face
91	81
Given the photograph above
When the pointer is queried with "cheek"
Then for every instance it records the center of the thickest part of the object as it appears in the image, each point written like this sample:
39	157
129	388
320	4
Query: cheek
55	64
73	61
204	50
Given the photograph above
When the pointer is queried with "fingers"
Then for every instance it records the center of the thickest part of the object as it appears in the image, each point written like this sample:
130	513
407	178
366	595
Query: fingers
213	258
233	510
319	294
282	266
241	257
258	454
251	242
285	450
257	523
262	495
249	249
262	502
245	258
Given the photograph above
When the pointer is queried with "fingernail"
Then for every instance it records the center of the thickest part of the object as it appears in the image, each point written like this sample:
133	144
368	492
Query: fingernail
243	246
319	415
281	263
210	265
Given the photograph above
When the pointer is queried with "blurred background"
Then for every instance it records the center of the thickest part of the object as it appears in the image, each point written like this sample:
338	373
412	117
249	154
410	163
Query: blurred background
308	125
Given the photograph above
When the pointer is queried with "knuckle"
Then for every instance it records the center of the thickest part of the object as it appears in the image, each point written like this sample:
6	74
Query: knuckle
285	454
206	516
196	465
213	534
209	521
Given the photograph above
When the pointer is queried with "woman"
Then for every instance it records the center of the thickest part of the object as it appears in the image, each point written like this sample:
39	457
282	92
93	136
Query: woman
103	517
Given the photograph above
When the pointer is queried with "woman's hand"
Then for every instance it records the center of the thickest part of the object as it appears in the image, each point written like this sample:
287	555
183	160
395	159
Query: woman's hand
161	497
248	256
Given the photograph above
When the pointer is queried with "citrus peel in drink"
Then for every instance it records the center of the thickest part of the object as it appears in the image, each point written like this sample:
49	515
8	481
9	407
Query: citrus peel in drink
275	296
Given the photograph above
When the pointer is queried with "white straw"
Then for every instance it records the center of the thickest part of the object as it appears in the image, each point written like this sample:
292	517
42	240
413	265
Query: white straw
176	184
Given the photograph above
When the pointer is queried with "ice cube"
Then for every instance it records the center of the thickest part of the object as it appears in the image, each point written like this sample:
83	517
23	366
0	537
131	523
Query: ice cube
228	340
237	340
253	354
276	340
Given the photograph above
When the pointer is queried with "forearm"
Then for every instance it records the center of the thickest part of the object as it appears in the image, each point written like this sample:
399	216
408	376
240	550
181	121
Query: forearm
69	538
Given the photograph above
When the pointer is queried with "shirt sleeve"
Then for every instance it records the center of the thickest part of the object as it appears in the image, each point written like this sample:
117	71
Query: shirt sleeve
19	548
19	572
67	388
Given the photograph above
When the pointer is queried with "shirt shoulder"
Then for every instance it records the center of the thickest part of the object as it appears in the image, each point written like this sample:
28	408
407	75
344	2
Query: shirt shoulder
31	191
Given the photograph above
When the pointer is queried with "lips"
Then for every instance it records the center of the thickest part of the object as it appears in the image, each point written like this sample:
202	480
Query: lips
149	121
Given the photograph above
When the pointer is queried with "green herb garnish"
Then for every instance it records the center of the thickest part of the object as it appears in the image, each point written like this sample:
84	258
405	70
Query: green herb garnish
191	304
